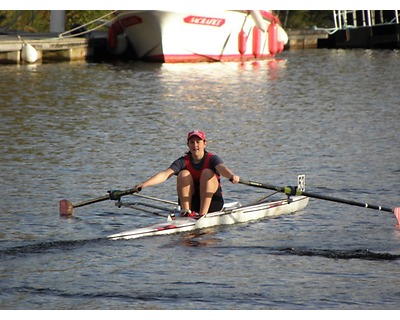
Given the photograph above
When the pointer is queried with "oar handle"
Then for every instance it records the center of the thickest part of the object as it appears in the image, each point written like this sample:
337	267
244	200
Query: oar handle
261	185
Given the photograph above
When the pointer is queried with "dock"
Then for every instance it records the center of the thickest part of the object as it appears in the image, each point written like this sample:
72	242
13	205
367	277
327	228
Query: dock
304	38
50	47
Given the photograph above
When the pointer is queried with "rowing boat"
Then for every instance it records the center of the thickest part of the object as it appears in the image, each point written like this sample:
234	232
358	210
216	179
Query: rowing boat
297	199
231	214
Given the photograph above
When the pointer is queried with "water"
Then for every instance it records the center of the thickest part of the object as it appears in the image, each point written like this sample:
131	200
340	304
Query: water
75	131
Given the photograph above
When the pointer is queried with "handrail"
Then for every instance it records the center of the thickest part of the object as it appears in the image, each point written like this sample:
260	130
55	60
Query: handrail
341	22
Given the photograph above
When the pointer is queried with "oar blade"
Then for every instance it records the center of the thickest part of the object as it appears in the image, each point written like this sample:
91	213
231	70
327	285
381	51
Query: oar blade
397	214
66	208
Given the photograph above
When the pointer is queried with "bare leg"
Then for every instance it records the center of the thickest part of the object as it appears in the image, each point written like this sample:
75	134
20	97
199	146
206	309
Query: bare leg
208	186
185	188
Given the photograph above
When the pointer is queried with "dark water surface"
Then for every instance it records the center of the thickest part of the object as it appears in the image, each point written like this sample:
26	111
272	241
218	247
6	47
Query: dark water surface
77	130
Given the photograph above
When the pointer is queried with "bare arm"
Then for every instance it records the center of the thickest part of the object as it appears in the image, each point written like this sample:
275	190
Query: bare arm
227	173
156	179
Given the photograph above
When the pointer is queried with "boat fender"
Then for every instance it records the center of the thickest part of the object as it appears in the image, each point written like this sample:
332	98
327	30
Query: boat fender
282	35
117	26
114	31
29	53
281	46
256	42
273	38
282	39
112	38
242	42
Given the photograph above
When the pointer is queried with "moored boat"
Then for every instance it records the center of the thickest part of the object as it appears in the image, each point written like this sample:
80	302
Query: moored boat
199	36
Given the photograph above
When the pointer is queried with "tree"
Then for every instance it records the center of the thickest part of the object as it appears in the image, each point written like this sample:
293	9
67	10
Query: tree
39	20
301	19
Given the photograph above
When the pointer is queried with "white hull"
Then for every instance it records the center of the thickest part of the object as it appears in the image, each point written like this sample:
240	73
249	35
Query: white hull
226	217
173	36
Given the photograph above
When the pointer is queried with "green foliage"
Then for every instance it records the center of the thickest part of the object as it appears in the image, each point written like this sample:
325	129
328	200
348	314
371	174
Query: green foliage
74	17
302	19
25	20
39	20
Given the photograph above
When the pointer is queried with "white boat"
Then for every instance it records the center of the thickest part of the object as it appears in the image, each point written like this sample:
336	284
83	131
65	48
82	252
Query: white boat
231	214
199	36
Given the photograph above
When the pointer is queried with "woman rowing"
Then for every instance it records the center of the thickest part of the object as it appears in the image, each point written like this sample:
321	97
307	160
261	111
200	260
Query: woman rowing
198	178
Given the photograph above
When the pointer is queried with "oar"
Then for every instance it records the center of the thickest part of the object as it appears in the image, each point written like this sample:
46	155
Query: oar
155	199
294	191
67	208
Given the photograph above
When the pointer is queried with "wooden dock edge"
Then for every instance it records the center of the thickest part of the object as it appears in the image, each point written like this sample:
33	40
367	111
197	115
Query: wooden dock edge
304	39
50	48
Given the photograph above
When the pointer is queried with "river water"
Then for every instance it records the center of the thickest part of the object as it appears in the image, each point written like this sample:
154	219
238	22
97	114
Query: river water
76	130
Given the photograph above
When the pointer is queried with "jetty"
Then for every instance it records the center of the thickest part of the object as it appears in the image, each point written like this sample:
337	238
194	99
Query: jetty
48	47
304	38
19	48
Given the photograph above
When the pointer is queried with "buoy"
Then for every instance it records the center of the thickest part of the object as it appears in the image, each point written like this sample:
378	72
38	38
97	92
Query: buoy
273	38
282	39
242	41
29	53
112	38
282	36
256	42
281	46
117	42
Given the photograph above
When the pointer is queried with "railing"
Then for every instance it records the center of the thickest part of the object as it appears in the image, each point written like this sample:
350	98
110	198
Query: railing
344	19
365	18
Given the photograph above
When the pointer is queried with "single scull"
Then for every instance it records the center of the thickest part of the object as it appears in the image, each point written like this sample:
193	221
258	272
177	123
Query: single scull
231	214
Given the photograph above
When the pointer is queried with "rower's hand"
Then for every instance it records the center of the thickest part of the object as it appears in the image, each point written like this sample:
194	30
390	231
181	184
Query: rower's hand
234	179
138	188
292	191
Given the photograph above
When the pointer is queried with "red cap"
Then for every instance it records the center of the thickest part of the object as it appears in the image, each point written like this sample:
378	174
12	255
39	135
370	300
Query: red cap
197	133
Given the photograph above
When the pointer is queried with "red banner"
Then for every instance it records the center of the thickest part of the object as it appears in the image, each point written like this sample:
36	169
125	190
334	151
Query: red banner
207	21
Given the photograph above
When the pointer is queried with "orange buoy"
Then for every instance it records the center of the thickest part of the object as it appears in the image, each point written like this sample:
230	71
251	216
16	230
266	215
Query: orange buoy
114	31
242	42
256	42
273	38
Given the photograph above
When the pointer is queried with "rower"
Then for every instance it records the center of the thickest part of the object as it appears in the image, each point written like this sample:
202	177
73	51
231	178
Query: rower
198	177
